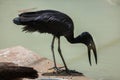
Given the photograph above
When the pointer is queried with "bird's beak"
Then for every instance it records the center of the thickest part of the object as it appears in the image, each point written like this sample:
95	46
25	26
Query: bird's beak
89	42
92	47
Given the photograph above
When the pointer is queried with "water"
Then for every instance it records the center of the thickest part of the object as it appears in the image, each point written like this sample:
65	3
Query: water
98	17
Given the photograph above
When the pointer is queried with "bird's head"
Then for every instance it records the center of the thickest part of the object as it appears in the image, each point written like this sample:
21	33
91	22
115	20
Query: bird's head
88	41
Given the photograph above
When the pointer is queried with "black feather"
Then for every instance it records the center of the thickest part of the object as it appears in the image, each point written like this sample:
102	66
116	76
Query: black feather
58	24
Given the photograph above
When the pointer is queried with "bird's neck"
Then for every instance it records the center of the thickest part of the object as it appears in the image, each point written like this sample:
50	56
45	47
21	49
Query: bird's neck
72	39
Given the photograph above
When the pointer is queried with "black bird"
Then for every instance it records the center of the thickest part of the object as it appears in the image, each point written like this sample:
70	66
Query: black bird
58	24
10	71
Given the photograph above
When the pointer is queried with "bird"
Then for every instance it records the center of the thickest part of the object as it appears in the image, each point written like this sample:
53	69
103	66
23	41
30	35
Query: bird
11	71
58	24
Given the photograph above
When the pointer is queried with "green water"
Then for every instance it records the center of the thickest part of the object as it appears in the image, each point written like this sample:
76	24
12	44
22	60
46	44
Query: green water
98	17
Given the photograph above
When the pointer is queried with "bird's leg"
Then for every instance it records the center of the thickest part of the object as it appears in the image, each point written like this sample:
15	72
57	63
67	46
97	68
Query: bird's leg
70	72
59	50
52	49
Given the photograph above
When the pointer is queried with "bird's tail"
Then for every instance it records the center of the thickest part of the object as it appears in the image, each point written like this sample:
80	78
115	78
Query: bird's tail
14	72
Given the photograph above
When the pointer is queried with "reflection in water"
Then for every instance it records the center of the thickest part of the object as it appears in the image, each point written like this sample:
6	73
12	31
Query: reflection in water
110	44
114	2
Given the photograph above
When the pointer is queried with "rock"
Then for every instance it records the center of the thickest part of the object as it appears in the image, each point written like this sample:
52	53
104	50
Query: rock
24	57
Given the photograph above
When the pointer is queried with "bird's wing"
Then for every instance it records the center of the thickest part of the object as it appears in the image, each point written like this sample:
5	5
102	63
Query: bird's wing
49	18
54	23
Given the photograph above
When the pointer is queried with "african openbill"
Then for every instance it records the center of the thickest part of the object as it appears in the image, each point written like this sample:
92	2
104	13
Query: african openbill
58	24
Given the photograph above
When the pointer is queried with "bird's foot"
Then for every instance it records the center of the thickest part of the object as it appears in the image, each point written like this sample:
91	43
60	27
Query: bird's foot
63	71
70	72
57	69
